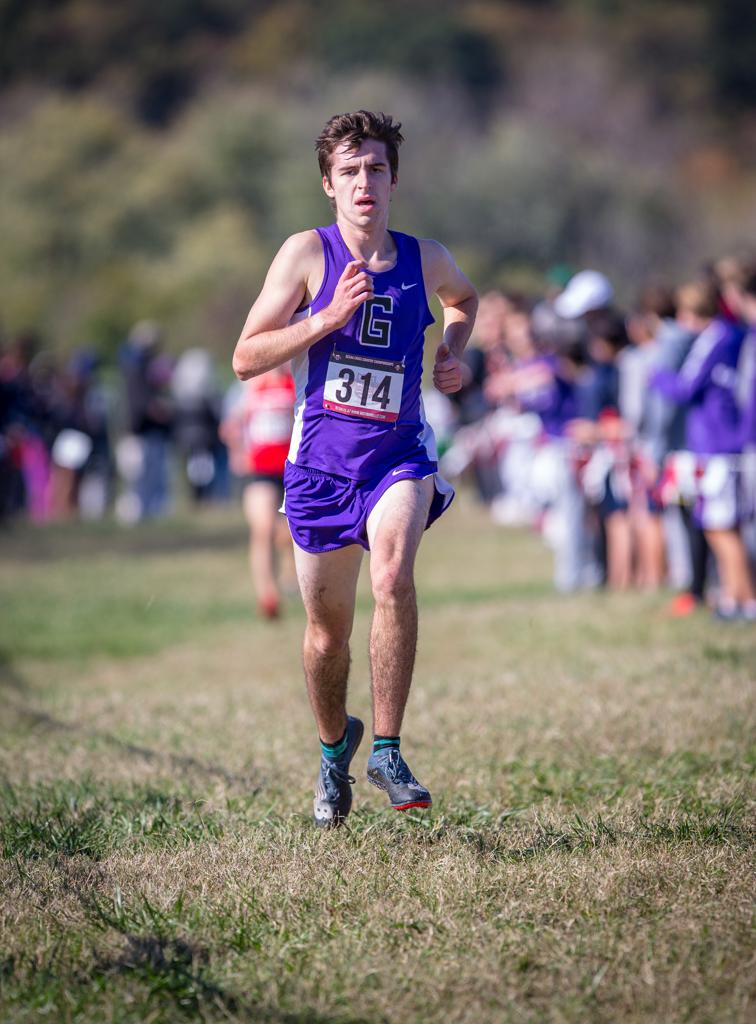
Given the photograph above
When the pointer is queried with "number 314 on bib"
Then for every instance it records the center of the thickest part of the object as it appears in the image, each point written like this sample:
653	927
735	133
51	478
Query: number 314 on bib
364	387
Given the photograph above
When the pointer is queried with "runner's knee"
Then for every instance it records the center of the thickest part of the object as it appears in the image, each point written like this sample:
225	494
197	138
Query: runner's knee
392	583
328	639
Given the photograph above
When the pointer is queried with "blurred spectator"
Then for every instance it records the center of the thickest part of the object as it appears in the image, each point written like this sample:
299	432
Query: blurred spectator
598	384
197	417
660	430
605	475
706	384
515	371
642	527
587	298
730	275
552	332
26	429
80	475
143	453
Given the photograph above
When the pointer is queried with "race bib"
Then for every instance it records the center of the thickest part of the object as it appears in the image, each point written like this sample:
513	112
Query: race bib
363	386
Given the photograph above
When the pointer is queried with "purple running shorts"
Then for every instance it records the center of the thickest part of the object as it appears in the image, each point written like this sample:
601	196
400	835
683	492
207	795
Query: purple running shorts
327	512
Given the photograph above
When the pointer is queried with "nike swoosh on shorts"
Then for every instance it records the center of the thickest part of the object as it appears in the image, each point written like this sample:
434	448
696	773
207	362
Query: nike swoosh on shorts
406	287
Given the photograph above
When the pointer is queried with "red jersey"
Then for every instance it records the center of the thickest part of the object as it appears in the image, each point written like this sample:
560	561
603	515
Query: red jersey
267	421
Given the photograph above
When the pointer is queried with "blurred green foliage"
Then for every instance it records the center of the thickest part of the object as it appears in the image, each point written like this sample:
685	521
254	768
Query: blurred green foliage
153	156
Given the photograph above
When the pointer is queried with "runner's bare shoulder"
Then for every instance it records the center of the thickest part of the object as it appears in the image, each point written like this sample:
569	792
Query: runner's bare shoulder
437	263
301	258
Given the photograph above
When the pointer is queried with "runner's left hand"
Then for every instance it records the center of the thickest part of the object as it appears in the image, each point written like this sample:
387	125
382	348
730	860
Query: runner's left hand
447	370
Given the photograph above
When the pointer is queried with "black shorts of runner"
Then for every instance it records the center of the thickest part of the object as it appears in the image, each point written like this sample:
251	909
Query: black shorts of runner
264	478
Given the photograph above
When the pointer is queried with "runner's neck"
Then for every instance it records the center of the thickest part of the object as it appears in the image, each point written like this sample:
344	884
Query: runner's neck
377	248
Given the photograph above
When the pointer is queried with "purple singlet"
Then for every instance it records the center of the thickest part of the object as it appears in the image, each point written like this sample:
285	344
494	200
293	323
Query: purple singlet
358	408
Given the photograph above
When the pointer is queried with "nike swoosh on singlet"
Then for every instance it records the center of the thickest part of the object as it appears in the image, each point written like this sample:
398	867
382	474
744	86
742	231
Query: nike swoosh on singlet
406	287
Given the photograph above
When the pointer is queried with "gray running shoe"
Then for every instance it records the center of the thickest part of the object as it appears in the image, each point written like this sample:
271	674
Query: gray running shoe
388	770
333	791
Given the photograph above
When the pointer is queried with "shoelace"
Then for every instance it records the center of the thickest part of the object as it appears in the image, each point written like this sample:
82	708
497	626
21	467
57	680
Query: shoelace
397	769
339	774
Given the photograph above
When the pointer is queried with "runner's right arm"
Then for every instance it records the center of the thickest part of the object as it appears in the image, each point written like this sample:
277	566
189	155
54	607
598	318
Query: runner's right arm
268	338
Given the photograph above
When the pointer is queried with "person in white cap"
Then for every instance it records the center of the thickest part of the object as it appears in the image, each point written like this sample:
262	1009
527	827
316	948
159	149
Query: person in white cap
587	292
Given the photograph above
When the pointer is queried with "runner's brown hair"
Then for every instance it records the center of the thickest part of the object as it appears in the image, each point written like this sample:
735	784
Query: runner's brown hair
353	129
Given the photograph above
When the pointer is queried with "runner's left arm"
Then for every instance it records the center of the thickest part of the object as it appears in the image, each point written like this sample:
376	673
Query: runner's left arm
459	301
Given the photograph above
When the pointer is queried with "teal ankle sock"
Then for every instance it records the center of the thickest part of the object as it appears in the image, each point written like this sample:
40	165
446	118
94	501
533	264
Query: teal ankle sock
334	750
385	743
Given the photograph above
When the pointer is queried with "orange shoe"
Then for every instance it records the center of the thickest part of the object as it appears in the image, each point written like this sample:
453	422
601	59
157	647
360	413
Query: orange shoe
682	605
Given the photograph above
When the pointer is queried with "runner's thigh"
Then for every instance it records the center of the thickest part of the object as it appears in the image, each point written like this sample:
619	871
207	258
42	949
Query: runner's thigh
396	524
328	582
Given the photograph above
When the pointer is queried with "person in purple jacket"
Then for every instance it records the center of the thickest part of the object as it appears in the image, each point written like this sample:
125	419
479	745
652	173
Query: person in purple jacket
747	365
348	305
747	372
706	385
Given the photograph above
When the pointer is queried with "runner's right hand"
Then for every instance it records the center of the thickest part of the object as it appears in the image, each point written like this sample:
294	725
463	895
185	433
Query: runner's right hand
352	289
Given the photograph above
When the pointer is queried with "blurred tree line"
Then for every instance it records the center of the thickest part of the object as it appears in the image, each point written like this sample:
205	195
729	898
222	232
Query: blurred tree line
153	156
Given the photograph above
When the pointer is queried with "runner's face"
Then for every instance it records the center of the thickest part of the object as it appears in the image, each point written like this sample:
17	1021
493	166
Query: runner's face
360	183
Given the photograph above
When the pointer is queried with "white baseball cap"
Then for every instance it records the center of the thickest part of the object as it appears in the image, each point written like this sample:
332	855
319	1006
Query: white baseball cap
587	290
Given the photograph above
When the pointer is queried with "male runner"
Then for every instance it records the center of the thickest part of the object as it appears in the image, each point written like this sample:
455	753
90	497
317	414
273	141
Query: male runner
347	304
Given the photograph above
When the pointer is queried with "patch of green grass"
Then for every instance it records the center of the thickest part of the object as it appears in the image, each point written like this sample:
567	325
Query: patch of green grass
726	655
151	979
120	624
508	835
70	819
113	625
144	961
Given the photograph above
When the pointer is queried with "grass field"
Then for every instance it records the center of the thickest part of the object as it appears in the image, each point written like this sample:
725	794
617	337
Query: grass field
590	852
